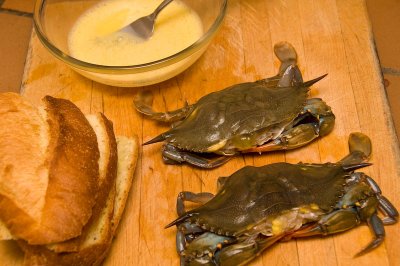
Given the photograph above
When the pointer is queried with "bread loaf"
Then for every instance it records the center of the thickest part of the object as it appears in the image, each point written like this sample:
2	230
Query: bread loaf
48	169
70	191
93	249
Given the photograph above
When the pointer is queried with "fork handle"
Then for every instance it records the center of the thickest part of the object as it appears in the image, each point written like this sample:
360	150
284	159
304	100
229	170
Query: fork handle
161	7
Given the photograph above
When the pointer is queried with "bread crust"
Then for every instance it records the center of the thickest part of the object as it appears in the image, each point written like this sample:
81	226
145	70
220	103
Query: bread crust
85	175
72	159
106	183
94	253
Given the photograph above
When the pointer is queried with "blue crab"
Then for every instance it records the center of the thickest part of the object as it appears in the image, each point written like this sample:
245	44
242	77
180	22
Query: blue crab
258	206
265	115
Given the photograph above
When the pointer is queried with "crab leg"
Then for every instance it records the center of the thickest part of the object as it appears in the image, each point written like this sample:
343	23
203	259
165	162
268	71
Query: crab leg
243	252
287	55
186	229
291	77
200	198
360	150
143	101
384	205
392	215
315	121
291	139
172	155
376	225
335	222
202	249
183	235
342	220
221	181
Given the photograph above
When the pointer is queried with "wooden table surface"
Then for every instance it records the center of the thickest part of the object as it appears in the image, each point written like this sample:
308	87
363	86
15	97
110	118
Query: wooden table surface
331	37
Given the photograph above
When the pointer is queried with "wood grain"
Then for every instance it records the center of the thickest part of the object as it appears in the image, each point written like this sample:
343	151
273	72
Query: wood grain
331	37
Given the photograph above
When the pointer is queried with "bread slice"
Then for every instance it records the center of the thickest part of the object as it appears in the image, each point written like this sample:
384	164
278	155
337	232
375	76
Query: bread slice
94	248
4	232
106	181
48	169
54	127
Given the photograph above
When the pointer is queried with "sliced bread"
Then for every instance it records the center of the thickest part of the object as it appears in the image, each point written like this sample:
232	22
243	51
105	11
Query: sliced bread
48	169
95	246
69	158
106	181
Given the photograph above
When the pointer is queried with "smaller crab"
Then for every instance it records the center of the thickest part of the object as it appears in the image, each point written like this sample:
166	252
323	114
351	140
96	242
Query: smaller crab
259	206
266	115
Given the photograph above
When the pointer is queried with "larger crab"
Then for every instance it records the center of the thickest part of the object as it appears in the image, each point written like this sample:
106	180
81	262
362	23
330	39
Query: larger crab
266	115
259	206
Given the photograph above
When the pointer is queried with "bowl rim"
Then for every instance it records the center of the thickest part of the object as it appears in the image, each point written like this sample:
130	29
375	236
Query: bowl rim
128	69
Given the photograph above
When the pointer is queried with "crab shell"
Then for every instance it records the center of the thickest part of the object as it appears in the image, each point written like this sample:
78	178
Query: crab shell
266	115
258	206
238	118
254	194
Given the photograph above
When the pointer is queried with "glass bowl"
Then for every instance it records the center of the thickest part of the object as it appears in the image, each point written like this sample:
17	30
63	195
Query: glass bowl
54	19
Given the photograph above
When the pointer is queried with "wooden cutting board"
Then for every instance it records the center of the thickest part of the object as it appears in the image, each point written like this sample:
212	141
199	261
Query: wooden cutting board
331	37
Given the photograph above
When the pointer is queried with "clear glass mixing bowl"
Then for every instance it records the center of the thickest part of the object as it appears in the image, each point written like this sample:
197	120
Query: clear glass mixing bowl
53	20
